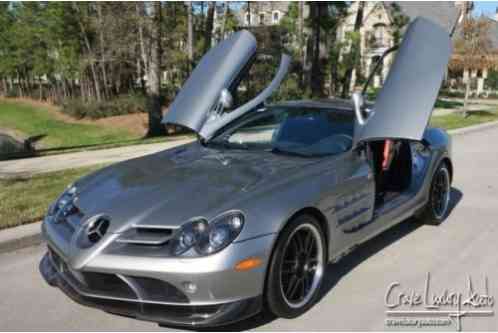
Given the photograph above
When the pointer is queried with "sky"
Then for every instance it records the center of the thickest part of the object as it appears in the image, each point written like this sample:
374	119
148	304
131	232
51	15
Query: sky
485	7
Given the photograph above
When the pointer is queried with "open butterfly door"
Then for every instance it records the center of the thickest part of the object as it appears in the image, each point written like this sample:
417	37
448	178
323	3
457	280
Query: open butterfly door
405	102
200	103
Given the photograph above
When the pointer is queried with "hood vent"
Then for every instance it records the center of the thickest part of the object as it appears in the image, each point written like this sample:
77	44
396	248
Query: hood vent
142	235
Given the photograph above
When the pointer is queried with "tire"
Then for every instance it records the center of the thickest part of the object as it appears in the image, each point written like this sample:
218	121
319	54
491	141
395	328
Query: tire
296	269
437	207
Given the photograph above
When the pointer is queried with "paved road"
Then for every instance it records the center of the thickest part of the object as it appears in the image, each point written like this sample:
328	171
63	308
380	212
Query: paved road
50	163
466	243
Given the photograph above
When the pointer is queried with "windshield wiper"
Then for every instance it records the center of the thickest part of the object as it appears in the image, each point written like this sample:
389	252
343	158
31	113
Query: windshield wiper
224	144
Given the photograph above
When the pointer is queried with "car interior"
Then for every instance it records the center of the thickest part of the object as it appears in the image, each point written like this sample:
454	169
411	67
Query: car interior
397	178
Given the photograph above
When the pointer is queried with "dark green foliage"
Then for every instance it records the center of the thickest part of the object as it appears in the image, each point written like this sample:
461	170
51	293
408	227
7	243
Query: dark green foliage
453	94
492	80
120	105
448	104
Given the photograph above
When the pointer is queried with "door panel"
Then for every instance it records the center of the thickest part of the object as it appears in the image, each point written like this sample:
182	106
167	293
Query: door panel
217	69
218	121
405	102
354	203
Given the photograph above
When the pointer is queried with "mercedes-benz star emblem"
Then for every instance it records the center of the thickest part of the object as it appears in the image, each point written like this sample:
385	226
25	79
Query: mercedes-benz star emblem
97	229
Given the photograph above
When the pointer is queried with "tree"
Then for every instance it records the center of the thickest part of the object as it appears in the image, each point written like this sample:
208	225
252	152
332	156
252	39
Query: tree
300	39
82	15
154	75
472	49
208	29
190	36
355	50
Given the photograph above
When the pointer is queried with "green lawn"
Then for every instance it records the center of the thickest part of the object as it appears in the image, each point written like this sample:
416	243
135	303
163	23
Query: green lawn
33	121
25	200
453	121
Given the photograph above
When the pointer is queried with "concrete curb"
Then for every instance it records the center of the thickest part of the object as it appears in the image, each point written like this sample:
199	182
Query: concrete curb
29	235
470	129
20	237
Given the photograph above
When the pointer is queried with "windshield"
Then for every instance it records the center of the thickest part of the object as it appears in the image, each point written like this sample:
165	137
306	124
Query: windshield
291	130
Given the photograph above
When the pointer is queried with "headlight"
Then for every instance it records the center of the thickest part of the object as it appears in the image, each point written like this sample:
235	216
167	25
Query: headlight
63	201
207	238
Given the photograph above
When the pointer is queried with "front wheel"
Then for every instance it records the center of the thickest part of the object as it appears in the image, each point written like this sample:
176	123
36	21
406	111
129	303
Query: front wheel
297	267
437	208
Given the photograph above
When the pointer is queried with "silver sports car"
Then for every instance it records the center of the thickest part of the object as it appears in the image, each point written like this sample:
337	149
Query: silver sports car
247	217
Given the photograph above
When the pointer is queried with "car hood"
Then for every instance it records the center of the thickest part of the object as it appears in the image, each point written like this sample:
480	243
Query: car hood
171	187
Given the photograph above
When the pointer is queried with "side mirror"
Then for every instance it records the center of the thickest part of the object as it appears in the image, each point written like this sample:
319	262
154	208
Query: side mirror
359	104
226	99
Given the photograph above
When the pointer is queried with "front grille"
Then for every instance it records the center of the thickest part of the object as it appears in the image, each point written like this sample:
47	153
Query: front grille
91	283
109	285
154	290
114	286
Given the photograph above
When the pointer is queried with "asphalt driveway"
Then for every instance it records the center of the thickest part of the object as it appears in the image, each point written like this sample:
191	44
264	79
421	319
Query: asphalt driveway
353	298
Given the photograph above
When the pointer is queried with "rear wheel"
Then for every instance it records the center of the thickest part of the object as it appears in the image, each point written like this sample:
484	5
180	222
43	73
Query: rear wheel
437	208
296	269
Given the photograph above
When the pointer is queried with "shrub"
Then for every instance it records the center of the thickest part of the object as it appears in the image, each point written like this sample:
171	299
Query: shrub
454	94
447	104
121	105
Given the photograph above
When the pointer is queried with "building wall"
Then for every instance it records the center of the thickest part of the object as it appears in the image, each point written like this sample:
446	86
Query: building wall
263	13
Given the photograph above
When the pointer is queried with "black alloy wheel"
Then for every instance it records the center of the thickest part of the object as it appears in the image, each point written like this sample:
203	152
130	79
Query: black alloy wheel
297	268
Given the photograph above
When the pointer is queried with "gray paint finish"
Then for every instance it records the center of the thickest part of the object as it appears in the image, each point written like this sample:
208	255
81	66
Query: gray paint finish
217	70
404	104
169	188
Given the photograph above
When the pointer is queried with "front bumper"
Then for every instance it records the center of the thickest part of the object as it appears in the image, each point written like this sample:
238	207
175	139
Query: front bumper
112	298
140	282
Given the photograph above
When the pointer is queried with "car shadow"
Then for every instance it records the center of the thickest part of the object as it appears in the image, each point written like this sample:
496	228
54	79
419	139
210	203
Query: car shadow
455	198
334	272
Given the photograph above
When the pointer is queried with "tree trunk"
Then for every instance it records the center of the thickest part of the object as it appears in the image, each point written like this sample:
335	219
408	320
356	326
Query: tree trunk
5	87
300	34
190	37
102	49
208	32
249	13
140	11
355	51
316	80
465	112
19	86
40	87
154	77
224	20
90	52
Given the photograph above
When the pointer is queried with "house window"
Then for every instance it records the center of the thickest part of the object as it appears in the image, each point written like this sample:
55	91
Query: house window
261	19
380	35
248	19
276	17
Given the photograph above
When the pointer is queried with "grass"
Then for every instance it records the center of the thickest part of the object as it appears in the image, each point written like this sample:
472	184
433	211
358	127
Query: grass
25	200
33	121
453	121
